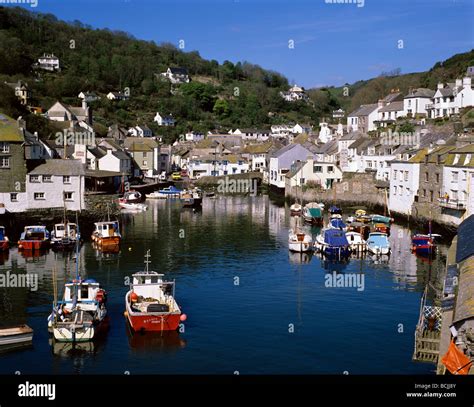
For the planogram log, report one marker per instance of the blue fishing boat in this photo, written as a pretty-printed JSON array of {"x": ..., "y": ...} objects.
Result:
[
  {"x": 424, "y": 245},
  {"x": 335, "y": 210},
  {"x": 378, "y": 243},
  {"x": 170, "y": 192},
  {"x": 333, "y": 243}
]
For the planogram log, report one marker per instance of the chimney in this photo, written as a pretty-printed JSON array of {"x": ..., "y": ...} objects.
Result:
[
  {"x": 440, "y": 86},
  {"x": 21, "y": 123},
  {"x": 36, "y": 135},
  {"x": 381, "y": 103}
]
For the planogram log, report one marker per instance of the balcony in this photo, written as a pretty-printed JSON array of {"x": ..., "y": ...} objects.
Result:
[
  {"x": 429, "y": 106},
  {"x": 452, "y": 204}
]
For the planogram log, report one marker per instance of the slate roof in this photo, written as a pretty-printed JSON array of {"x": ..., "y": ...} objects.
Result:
[{"x": 60, "y": 167}]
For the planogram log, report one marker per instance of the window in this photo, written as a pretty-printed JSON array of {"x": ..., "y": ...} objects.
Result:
[
  {"x": 427, "y": 176},
  {"x": 401, "y": 190},
  {"x": 406, "y": 175},
  {"x": 317, "y": 168},
  {"x": 144, "y": 154},
  {"x": 14, "y": 197},
  {"x": 302, "y": 181},
  {"x": 145, "y": 163},
  {"x": 4, "y": 162},
  {"x": 34, "y": 178},
  {"x": 47, "y": 178},
  {"x": 66, "y": 179},
  {"x": 4, "y": 147},
  {"x": 464, "y": 175},
  {"x": 68, "y": 196},
  {"x": 454, "y": 175},
  {"x": 330, "y": 169},
  {"x": 395, "y": 190},
  {"x": 225, "y": 162},
  {"x": 39, "y": 196},
  {"x": 395, "y": 174},
  {"x": 424, "y": 193},
  {"x": 437, "y": 177}
]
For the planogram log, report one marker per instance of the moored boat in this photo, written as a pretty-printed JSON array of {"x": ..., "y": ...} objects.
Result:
[
  {"x": 424, "y": 245},
  {"x": 137, "y": 207},
  {"x": 299, "y": 241},
  {"x": 170, "y": 192},
  {"x": 381, "y": 219},
  {"x": 131, "y": 197},
  {"x": 15, "y": 336},
  {"x": 333, "y": 243},
  {"x": 296, "y": 209},
  {"x": 81, "y": 315},
  {"x": 337, "y": 223},
  {"x": 64, "y": 236},
  {"x": 156, "y": 195},
  {"x": 34, "y": 238},
  {"x": 150, "y": 303},
  {"x": 378, "y": 243},
  {"x": 335, "y": 210},
  {"x": 382, "y": 228},
  {"x": 361, "y": 228},
  {"x": 192, "y": 198},
  {"x": 4, "y": 242},
  {"x": 313, "y": 214},
  {"x": 107, "y": 235},
  {"x": 356, "y": 242}
]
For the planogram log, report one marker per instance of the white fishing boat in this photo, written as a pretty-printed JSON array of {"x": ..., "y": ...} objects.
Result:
[
  {"x": 296, "y": 209},
  {"x": 378, "y": 244},
  {"x": 156, "y": 195},
  {"x": 64, "y": 235},
  {"x": 16, "y": 335},
  {"x": 299, "y": 241},
  {"x": 356, "y": 242}
]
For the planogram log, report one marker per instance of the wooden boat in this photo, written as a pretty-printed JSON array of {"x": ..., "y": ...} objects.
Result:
[
  {"x": 150, "y": 303},
  {"x": 382, "y": 228},
  {"x": 64, "y": 236},
  {"x": 15, "y": 336},
  {"x": 299, "y": 241},
  {"x": 192, "y": 198},
  {"x": 296, "y": 209},
  {"x": 107, "y": 235},
  {"x": 333, "y": 243},
  {"x": 378, "y": 243},
  {"x": 34, "y": 238},
  {"x": 313, "y": 214},
  {"x": 81, "y": 315},
  {"x": 4, "y": 242},
  {"x": 424, "y": 245}
]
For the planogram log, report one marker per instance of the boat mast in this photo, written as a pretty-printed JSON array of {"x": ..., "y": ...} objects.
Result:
[{"x": 147, "y": 260}]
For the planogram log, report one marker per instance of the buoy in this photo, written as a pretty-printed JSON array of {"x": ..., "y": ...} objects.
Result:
[
  {"x": 134, "y": 297},
  {"x": 183, "y": 317},
  {"x": 129, "y": 249}
]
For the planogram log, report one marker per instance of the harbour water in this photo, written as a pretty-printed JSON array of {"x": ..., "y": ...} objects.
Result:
[{"x": 252, "y": 307}]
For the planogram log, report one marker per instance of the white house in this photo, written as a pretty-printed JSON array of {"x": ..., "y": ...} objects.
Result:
[
  {"x": 61, "y": 112},
  {"x": 390, "y": 113},
  {"x": 294, "y": 93},
  {"x": 164, "y": 120},
  {"x": 363, "y": 119},
  {"x": 405, "y": 182},
  {"x": 88, "y": 97},
  {"x": 49, "y": 62},
  {"x": 56, "y": 184},
  {"x": 208, "y": 166},
  {"x": 253, "y": 134},
  {"x": 416, "y": 101},
  {"x": 140, "y": 131},
  {"x": 282, "y": 160},
  {"x": 302, "y": 128},
  {"x": 325, "y": 133},
  {"x": 176, "y": 75},
  {"x": 117, "y": 96},
  {"x": 458, "y": 179},
  {"x": 320, "y": 173},
  {"x": 194, "y": 136},
  {"x": 259, "y": 155},
  {"x": 450, "y": 98},
  {"x": 116, "y": 161}
]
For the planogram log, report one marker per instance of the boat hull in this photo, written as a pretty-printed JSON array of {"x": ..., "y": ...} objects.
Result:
[
  {"x": 153, "y": 321},
  {"x": 33, "y": 244},
  {"x": 424, "y": 250},
  {"x": 106, "y": 243},
  {"x": 192, "y": 203},
  {"x": 378, "y": 250},
  {"x": 300, "y": 247},
  {"x": 4, "y": 245},
  {"x": 16, "y": 339}
]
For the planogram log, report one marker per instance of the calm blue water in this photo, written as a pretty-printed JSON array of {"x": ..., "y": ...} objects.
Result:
[{"x": 252, "y": 307}]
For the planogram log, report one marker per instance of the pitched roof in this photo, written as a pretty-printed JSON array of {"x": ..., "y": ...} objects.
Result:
[
  {"x": 60, "y": 167},
  {"x": 179, "y": 71},
  {"x": 258, "y": 148},
  {"x": 353, "y": 135},
  {"x": 465, "y": 246},
  {"x": 419, "y": 156},
  {"x": 392, "y": 97},
  {"x": 121, "y": 155},
  {"x": 97, "y": 152},
  {"x": 364, "y": 110},
  {"x": 392, "y": 107},
  {"x": 421, "y": 93}
]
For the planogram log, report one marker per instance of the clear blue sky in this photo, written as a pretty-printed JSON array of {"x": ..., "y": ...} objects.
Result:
[{"x": 333, "y": 43}]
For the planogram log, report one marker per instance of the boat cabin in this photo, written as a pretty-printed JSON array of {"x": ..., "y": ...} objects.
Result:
[
  {"x": 35, "y": 233},
  {"x": 60, "y": 230},
  {"x": 88, "y": 293},
  {"x": 151, "y": 285},
  {"x": 107, "y": 229}
]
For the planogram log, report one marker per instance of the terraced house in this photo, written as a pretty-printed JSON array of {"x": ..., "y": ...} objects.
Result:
[{"x": 12, "y": 163}]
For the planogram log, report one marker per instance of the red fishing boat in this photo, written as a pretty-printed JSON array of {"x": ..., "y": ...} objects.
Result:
[
  {"x": 150, "y": 304},
  {"x": 34, "y": 238},
  {"x": 4, "y": 242}
]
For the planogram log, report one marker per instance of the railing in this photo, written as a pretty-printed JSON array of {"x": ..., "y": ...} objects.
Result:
[{"x": 452, "y": 203}]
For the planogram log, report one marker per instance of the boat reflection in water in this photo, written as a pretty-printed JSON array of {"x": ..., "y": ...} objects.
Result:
[
  {"x": 4, "y": 257},
  {"x": 104, "y": 251},
  {"x": 300, "y": 257},
  {"x": 77, "y": 351},
  {"x": 33, "y": 254},
  {"x": 164, "y": 341}
]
